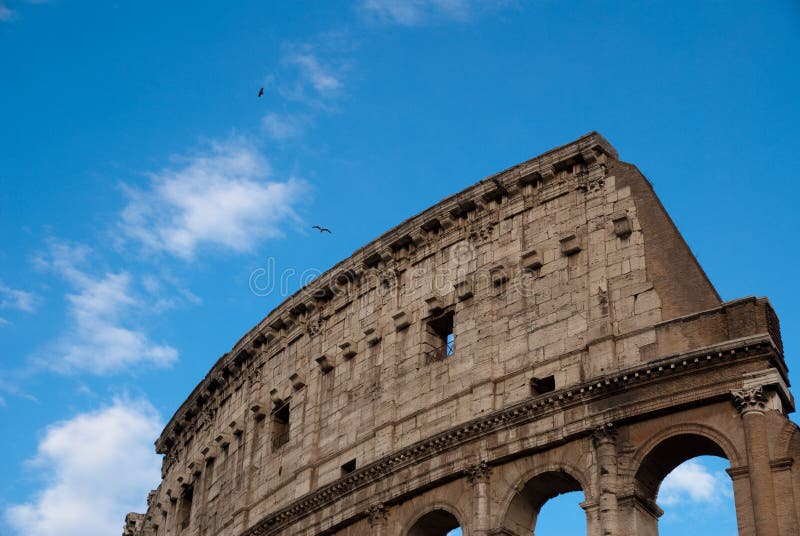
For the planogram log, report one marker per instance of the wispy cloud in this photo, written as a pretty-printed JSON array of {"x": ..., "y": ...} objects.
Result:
[
  {"x": 414, "y": 12},
  {"x": 315, "y": 73},
  {"x": 311, "y": 79},
  {"x": 99, "y": 338},
  {"x": 94, "y": 468},
  {"x": 165, "y": 292},
  {"x": 6, "y": 14},
  {"x": 11, "y": 387},
  {"x": 284, "y": 126},
  {"x": 692, "y": 482},
  {"x": 419, "y": 12},
  {"x": 17, "y": 299},
  {"x": 222, "y": 198}
]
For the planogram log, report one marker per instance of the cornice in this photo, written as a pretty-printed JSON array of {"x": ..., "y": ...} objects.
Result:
[{"x": 515, "y": 415}]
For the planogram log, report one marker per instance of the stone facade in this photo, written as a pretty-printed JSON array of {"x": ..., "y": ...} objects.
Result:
[{"x": 545, "y": 330}]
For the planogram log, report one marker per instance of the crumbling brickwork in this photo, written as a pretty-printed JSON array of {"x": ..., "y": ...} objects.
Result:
[{"x": 545, "y": 330}]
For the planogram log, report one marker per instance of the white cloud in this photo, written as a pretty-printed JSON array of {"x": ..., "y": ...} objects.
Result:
[
  {"x": 314, "y": 72},
  {"x": 17, "y": 299},
  {"x": 692, "y": 482},
  {"x": 97, "y": 339},
  {"x": 95, "y": 468},
  {"x": 284, "y": 126},
  {"x": 219, "y": 198}
]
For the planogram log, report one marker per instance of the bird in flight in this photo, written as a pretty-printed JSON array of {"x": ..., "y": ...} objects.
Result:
[
  {"x": 261, "y": 92},
  {"x": 321, "y": 229}
]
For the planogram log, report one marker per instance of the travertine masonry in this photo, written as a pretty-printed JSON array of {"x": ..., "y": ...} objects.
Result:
[{"x": 545, "y": 330}]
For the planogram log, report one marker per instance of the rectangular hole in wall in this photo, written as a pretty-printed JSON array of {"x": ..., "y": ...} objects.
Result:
[
  {"x": 349, "y": 467},
  {"x": 440, "y": 338},
  {"x": 209, "y": 476},
  {"x": 185, "y": 511},
  {"x": 280, "y": 426},
  {"x": 543, "y": 385}
]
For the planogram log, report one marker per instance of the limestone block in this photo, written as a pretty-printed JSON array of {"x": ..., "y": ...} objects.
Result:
[
  {"x": 622, "y": 225},
  {"x": 646, "y": 301}
]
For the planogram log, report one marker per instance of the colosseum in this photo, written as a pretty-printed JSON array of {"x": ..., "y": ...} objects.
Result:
[{"x": 545, "y": 330}]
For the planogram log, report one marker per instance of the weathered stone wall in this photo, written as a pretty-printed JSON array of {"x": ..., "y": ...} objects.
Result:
[{"x": 563, "y": 280}]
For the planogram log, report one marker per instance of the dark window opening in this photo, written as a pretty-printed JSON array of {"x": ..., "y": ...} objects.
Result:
[
  {"x": 209, "y": 476},
  {"x": 239, "y": 435},
  {"x": 543, "y": 385},
  {"x": 440, "y": 338},
  {"x": 185, "y": 511},
  {"x": 436, "y": 523},
  {"x": 280, "y": 426},
  {"x": 349, "y": 467}
]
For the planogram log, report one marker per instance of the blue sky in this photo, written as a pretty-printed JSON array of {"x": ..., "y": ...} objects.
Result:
[{"x": 142, "y": 182}]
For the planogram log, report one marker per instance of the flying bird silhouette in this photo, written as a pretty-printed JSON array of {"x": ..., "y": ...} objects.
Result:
[
  {"x": 261, "y": 92},
  {"x": 321, "y": 229}
]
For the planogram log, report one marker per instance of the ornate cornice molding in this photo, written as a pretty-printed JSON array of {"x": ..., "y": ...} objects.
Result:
[
  {"x": 604, "y": 434},
  {"x": 516, "y": 415},
  {"x": 478, "y": 473},
  {"x": 377, "y": 514}
]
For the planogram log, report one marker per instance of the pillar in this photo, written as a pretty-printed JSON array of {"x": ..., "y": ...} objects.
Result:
[
  {"x": 591, "y": 508},
  {"x": 604, "y": 439},
  {"x": 478, "y": 476},
  {"x": 784, "y": 495},
  {"x": 751, "y": 405},
  {"x": 377, "y": 514},
  {"x": 741, "y": 498}
]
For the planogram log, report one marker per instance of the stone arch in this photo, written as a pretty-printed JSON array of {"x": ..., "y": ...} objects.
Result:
[
  {"x": 703, "y": 432},
  {"x": 435, "y": 519},
  {"x": 521, "y": 506},
  {"x": 665, "y": 451}
]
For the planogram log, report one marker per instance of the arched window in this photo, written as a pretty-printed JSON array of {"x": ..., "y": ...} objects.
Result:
[
  {"x": 684, "y": 477},
  {"x": 562, "y": 516},
  {"x": 548, "y": 504},
  {"x": 436, "y": 523}
]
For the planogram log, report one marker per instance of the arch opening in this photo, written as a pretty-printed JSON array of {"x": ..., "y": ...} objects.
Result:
[
  {"x": 523, "y": 514},
  {"x": 684, "y": 475},
  {"x": 562, "y": 515},
  {"x": 435, "y": 523}
]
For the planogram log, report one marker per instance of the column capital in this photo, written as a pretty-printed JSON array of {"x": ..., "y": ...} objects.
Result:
[
  {"x": 750, "y": 400},
  {"x": 377, "y": 514},
  {"x": 478, "y": 472},
  {"x": 604, "y": 434}
]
